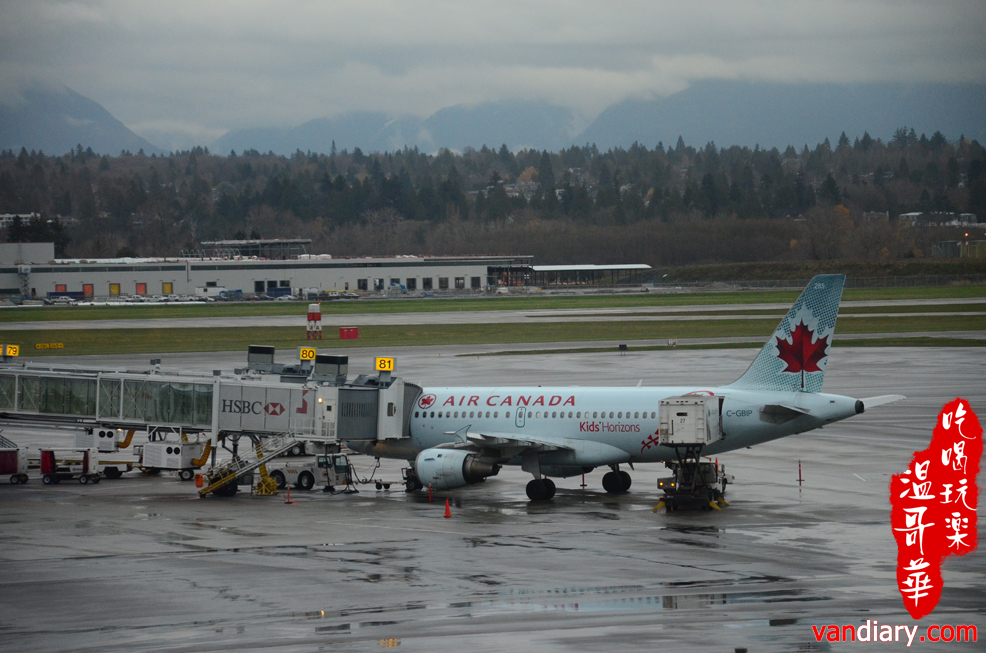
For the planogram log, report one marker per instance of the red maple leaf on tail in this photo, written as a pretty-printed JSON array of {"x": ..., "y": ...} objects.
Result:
[{"x": 801, "y": 354}]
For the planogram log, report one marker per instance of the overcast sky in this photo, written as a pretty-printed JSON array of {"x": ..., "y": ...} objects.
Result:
[{"x": 188, "y": 71}]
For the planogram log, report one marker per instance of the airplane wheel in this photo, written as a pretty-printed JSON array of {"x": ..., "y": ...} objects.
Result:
[
  {"x": 625, "y": 477},
  {"x": 537, "y": 490},
  {"x": 611, "y": 483},
  {"x": 279, "y": 479},
  {"x": 550, "y": 487}
]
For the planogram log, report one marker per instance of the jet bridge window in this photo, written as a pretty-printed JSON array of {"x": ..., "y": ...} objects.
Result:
[
  {"x": 57, "y": 396},
  {"x": 8, "y": 384},
  {"x": 167, "y": 402},
  {"x": 109, "y": 397}
]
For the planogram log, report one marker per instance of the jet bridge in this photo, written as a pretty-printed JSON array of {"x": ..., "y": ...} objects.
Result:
[{"x": 284, "y": 404}]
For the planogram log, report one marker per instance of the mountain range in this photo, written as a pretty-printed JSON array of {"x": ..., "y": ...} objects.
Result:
[
  {"x": 726, "y": 112},
  {"x": 54, "y": 119}
]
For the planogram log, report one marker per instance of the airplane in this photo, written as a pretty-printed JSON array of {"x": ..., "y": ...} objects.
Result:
[{"x": 462, "y": 435}]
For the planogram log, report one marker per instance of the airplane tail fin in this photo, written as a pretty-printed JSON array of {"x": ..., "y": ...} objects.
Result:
[{"x": 795, "y": 356}]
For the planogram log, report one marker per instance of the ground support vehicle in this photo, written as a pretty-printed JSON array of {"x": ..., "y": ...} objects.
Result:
[
  {"x": 184, "y": 457},
  {"x": 330, "y": 470},
  {"x": 58, "y": 466},
  {"x": 694, "y": 485},
  {"x": 112, "y": 459},
  {"x": 13, "y": 461},
  {"x": 687, "y": 424}
]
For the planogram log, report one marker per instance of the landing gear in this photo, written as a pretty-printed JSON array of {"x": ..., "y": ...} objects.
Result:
[
  {"x": 540, "y": 489},
  {"x": 616, "y": 481},
  {"x": 411, "y": 481}
]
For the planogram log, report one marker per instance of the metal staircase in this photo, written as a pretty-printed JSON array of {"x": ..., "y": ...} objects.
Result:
[{"x": 267, "y": 448}]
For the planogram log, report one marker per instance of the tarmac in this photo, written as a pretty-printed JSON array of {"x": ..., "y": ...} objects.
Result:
[
  {"x": 642, "y": 313},
  {"x": 141, "y": 563}
]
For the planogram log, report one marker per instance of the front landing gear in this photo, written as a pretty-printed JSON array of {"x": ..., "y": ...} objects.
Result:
[
  {"x": 411, "y": 481},
  {"x": 540, "y": 489},
  {"x": 616, "y": 481}
]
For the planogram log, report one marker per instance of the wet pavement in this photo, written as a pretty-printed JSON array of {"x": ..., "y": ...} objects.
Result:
[
  {"x": 141, "y": 563},
  {"x": 636, "y": 313}
]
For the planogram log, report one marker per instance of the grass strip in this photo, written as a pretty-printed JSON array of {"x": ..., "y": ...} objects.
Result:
[
  {"x": 123, "y": 341},
  {"x": 918, "y": 341},
  {"x": 428, "y": 305}
]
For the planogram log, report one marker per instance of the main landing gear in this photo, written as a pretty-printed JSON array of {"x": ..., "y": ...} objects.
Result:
[
  {"x": 616, "y": 481},
  {"x": 540, "y": 489}
]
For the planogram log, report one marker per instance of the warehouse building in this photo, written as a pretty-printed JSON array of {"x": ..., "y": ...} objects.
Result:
[{"x": 30, "y": 270}]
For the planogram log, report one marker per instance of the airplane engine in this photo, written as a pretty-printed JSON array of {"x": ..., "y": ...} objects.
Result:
[{"x": 447, "y": 469}]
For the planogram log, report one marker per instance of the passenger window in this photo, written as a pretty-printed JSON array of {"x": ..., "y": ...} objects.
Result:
[
  {"x": 456, "y": 414},
  {"x": 472, "y": 413},
  {"x": 593, "y": 414},
  {"x": 507, "y": 414},
  {"x": 620, "y": 415},
  {"x": 538, "y": 414},
  {"x": 432, "y": 414},
  {"x": 611, "y": 414},
  {"x": 578, "y": 414},
  {"x": 487, "y": 414},
  {"x": 416, "y": 413},
  {"x": 495, "y": 413}
]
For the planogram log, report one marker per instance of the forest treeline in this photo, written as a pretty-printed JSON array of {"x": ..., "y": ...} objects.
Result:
[{"x": 662, "y": 205}]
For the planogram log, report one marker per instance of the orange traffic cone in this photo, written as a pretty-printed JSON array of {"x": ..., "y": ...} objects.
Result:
[{"x": 448, "y": 512}]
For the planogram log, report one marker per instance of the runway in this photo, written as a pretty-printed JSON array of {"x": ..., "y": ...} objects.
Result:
[
  {"x": 143, "y": 564},
  {"x": 643, "y": 313}
]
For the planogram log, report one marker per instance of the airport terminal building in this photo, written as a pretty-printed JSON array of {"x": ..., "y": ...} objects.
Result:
[{"x": 30, "y": 270}]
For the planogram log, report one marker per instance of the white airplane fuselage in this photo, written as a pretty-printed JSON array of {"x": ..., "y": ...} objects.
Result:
[{"x": 623, "y": 422}]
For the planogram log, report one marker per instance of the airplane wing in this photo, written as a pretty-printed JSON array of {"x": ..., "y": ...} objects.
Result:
[
  {"x": 506, "y": 446},
  {"x": 505, "y": 441}
]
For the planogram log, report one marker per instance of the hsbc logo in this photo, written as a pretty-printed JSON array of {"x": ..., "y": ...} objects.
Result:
[{"x": 244, "y": 407}]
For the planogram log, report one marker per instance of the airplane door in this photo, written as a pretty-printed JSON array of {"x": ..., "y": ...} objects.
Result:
[{"x": 521, "y": 416}]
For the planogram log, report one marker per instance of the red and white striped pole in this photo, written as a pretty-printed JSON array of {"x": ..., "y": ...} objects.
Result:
[{"x": 314, "y": 322}]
